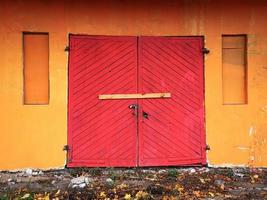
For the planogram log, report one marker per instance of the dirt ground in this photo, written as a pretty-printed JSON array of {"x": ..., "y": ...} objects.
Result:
[{"x": 147, "y": 183}]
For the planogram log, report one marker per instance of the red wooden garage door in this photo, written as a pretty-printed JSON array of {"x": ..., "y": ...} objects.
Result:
[{"x": 167, "y": 131}]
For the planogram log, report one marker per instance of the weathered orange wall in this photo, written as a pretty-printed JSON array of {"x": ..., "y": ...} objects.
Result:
[{"x": 33, "y": 136}]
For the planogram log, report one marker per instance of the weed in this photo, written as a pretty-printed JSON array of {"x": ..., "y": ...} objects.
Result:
[
  {"x": 96, "y": 171},
  {"x": 172, "y": 173},
  {"x": 4, "y": 197}
]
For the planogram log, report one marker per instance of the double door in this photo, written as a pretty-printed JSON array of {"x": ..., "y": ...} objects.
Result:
[{"x": 135, "y": 101}]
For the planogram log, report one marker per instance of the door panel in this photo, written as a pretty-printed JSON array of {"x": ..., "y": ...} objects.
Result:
[
  {"x": 171, "y": 130},
  {"x": 102, "y": 132}
]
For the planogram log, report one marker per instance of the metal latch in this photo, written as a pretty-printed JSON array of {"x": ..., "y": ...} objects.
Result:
[
  {"x": 134, "y": 107},
  {"x": 205, "y": 50},
  {"x": 67, "y": 48},
  {"x": 145, "y": 114},
  {"x": 66, "y": 148}
]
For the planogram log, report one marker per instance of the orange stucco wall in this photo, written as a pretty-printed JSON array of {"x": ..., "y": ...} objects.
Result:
[{"x": 34, "y": 135}]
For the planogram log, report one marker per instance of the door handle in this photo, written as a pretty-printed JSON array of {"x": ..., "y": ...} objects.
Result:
[
  {"x": 145, "y": 115},
  {"x": 134, "y": 107}
]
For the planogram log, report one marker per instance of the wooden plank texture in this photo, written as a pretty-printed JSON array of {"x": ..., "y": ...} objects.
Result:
[
  {"x": 171, "y": 130},
  {"x": 135, "y": 96},
  {"x": 102, "y": 133}
]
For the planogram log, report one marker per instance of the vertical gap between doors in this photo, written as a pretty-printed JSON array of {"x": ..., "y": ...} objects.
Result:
[{"x": 138, "y": 103}]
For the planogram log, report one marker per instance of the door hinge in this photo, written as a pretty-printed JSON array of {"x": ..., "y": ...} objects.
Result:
[
  {"x": 66, "y": 148},
  {"x": 67, "y": 48},
  {"x": 68, "y": 153},
  {"x": 207, "y": 148},
  {"x": 205, "y": 50}
]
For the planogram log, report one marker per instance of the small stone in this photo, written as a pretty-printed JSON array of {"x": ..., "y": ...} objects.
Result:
[
  {"x": 9, "y": 180},
  {"x": 11, "y": 183},
  {"x": 34, "y": 173},
  {"x": 79, "y": 182},
  {"x": 29, "y": 172},
  {"x": 109, "y": 181},
  {"x": 239, "y": 175},
  {"x": 192, "y": 171},
  {"x": 162, "y": 171},
  {"x": 18, "y": 180},
  {"x": 87, "y": 180},
  {"x": 82, "y": 185},
  {"x": 21, "y": 174},
  {"x": 219, "y": 182},
  {"x": 41, "y": 173},
  {"x": 53, "y": 182},
  {"x": 256, "y": 176}
]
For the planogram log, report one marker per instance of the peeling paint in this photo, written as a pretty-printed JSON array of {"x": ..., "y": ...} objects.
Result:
[
  {"x": 264, "y": 108},
  {"x": 251, "y": 130},
  {"x": 243, "y": 148}
]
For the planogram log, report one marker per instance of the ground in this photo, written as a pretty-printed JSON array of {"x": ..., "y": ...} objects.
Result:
[{"x": 137, "y": 183}]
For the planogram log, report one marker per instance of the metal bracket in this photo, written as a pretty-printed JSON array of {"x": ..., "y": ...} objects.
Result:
[
  {"x": 67, "y": 48},
  {"x": 205, "y": 50},
  {"x": 66, "y": 148}
]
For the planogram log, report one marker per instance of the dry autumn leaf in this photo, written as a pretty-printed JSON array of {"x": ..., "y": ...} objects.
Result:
[
  {"x": 202, "y": 180},
  {"x": 256, "y": 176},
  {"x": 57, "y": 193},
  {"x": 141, "y": 195},
  {"x": 25, "y": 196},
  {"x": 102, "y": 195},
  {"x": 211, "y": 194},
  {"x": 179, "y": 188},
  {"x": 122, "y": 186},
  {"x": 197, "y": 193},
  {"x": 127, "y": 196}
]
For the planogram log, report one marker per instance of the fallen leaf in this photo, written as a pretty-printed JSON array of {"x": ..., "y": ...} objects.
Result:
[
  {"x": 202, "y": 180},
  {"x": 122, "y": 186},
  {"x": 197, "y": 193},
  {"x": 46, "y": 197},
  {"x": 141, "y": 195},
  {"x": 256, "y": 176},
  {"x": 127, "y": 196},
  {"x": 102, "y": 195},
  {"x": 57, "y": 193},
  {"x": 179, "y": 188},
  {"x": 25, "y": 196},
  {"x": 211, "y": 194},
  {"x": 165, "y": 198}
]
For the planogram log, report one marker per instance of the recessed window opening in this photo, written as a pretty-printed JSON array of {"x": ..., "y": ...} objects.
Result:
[
  {"x": 36, "y": 68},
  {"x": 234, "y": 69}
]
